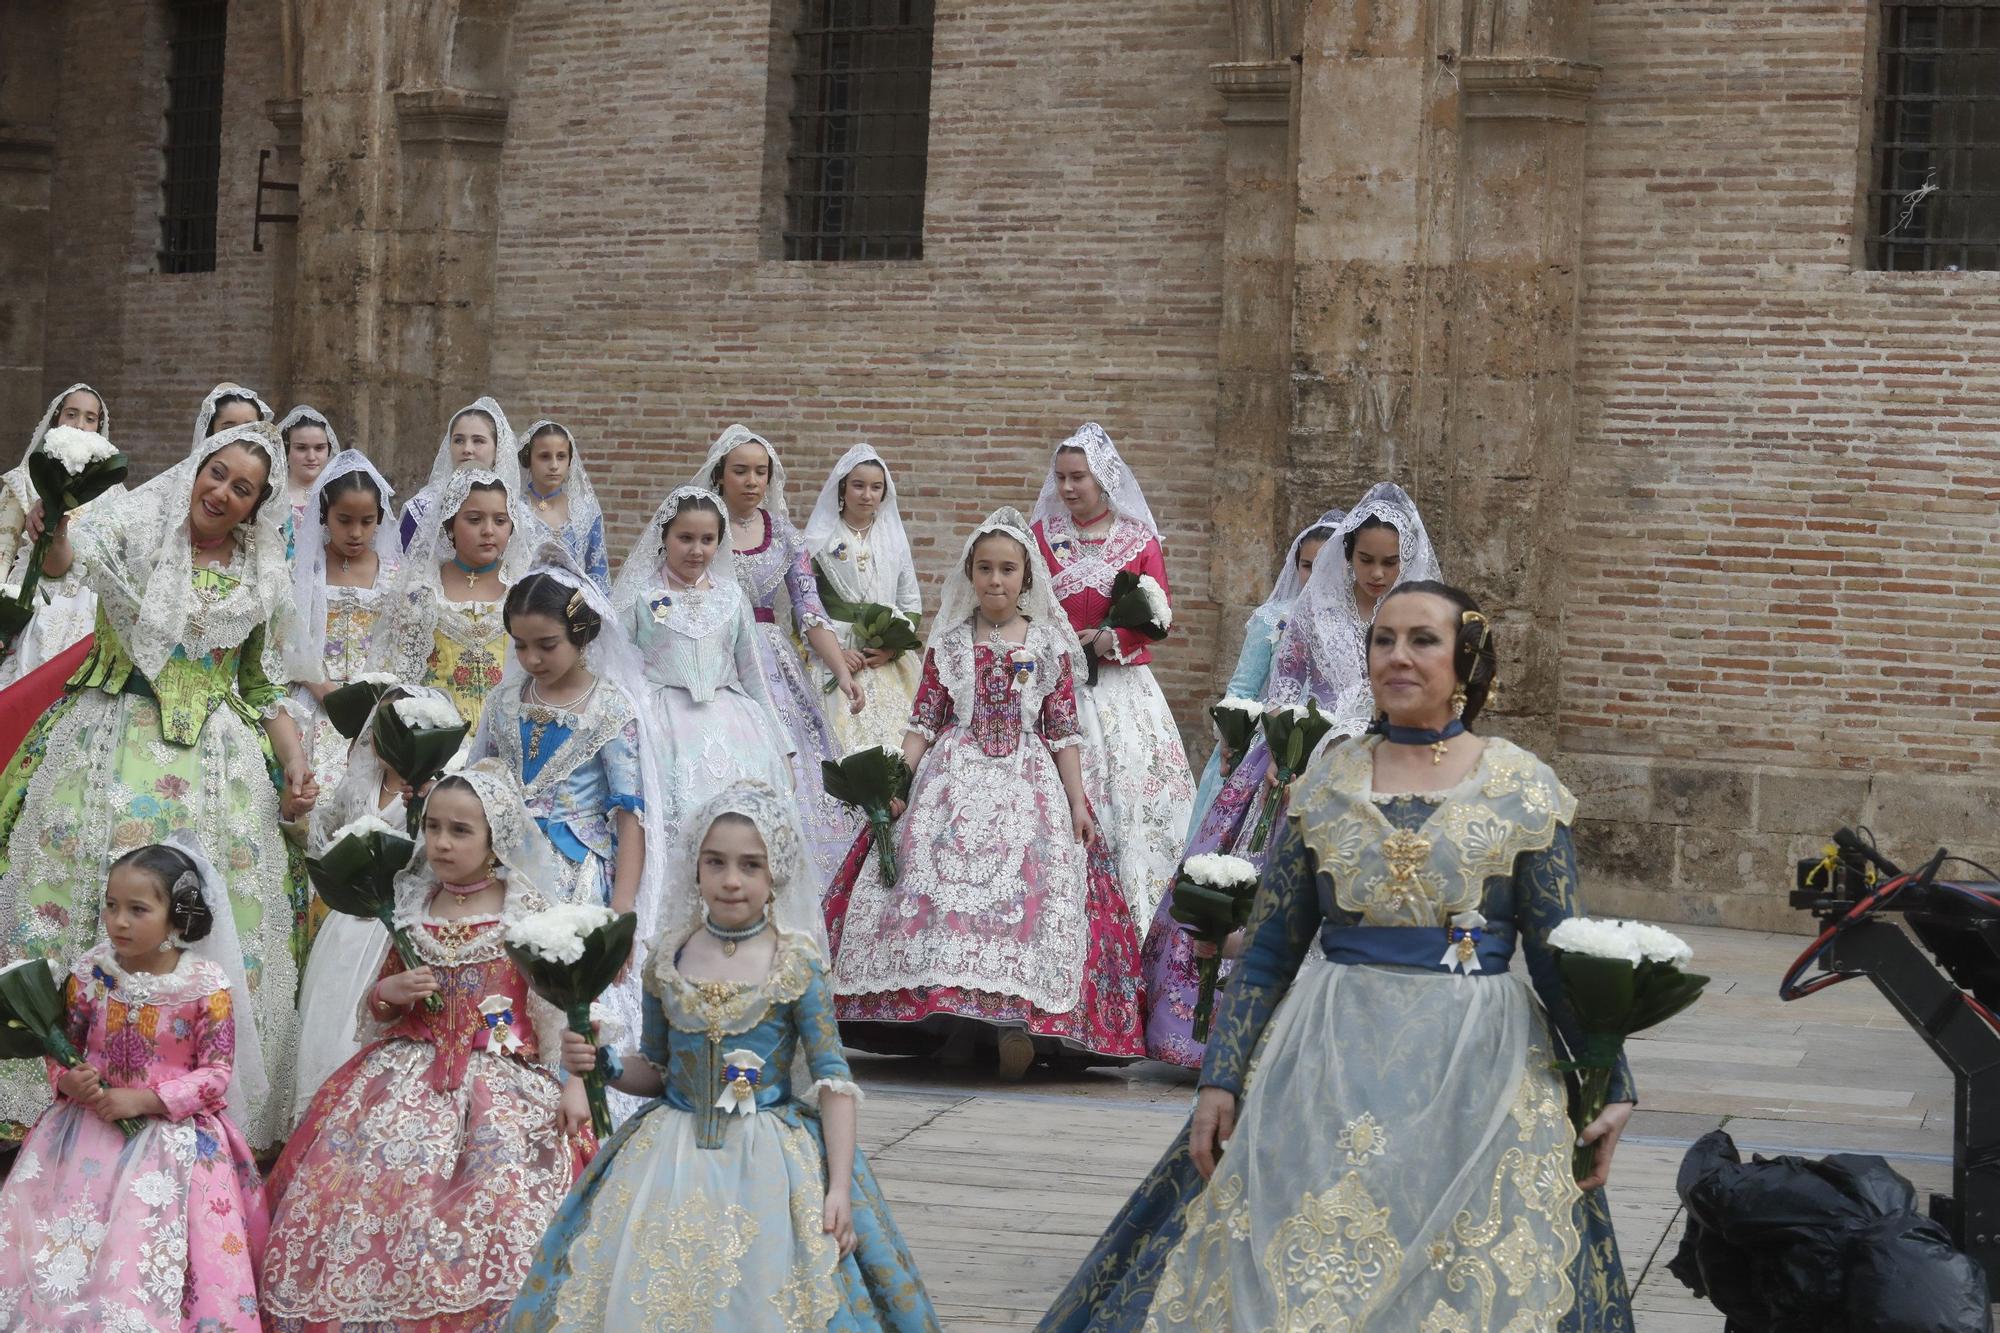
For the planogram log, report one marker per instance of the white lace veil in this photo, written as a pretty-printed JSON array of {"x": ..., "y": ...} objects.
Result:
[
  {"x": 405, "y": 640},
  {"x": 1325, "y": 617},
  {"x": 890, "y": 542},
  {"x": 728, "y": 442},
  {"x": 306, "y": 414},
  {"x": 17, "y": 479},
  {"x": 614, "y": 659},
  {"x": 583, "y": 505},
  {"x": 309, "y": 565},
  {"x": 1121, "y": 488},
  {"x": 644, "y": 572},
  {"x": 527, "y": 861},
  {"x": 795, "y": 888},
  {"x": 138, "y": 556},
  {"x": 506, "y": 463},
  {"x": 1289, "y": 584},
  {"x": 208, "y": 409},
  {"x": 248, "y": 1082},
  {"x": 1038, "y": 602}
]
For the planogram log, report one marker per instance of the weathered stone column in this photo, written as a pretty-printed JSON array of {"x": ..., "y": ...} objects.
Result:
[
  {"x": 1253, "y": 512},
  {"x": 281, "y": 242}
]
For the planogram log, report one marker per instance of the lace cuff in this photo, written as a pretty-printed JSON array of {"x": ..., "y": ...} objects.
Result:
[
  {"x": 842, "y": 1086},
  {"x": 1064, "y": 742},
  {"x": 929, "y": 735},
  {"x": 808, "y": 621}
]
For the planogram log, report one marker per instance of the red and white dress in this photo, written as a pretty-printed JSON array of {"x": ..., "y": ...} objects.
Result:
[
  {"x": 998, "y": 914},
  {"x": 1148, "y": 787}
]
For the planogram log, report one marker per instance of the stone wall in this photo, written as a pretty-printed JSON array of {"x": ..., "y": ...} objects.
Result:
[{"x": 1781, "y": 551}]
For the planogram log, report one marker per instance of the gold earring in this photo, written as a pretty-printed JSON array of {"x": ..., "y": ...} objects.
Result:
[{"x": 1458, "y": 702}]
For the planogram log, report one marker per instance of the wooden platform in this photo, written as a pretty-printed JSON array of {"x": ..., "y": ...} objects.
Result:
[{"x": 1001, "y": 1189}]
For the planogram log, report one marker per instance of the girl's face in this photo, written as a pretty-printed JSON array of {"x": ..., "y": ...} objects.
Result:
[
  {"x": 746, "y": 475},
  {"x": 542, "y": 646},
  {"x": 861, "y": 494},
  {"x": 734, "y": 873},
  {"x": 471, "y": 440},
  {"x": 1308, "y": 554},
  {"x": 481, "y": 527},
  {"x": 999, "y": 567},
  {"x": 351, "y": 521},
  {"x": 135, "y": 916},
  {"x": 457, "y": 842},
  {"x": 692, "y": 538},
  {"x": 1378, "y": 559},
  {"x": 1410, "y": 652},
  {"x": 1081, "y": 494},
  {"x": 233, "y": 413},
  {"x": 548, "y": 461},
  {"x": 81, "y": 410},
  {"x": 306, "y": 452},
  {"x": 226, "y": 490}
]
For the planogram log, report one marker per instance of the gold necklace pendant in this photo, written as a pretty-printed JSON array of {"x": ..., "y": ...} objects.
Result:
[
  {"x": 1437, "y": 753},
  {"x": 729, "y": 948},
  {"x": 471, "y": 580}
]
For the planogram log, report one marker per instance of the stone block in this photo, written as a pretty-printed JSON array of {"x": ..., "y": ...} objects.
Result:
[
  {"x": 1810, "y": 802},
  {"x": 1609, "y": 788},
  {"x": 1926, "y": 811},
  {"x": 1711, "y": 795},
  {"x": 1712, "y": 862},
  {"x": 1632, "y": 855}
]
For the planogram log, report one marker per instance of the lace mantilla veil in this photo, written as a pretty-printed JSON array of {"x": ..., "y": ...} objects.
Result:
[
  {"x": 795, "y": 888},
  {"x": 1288, "y": 586},
  {"x": 733, "y": 438},
  {"x": 1120, "y": 486},
  {"x": 403, "y": 645},
  {"x": 644, "y": 573},
  {"x": 1330, "y": 627},
  {"x": 135, "y": 551},
  {"x": 583, "y": 505},
  {"x": 305, "y": 413},
  {"x": 952, "y": 633},
  {"x": 309, "y": 564},
  {"x": 204, "y": 417},
  {"x": 891, "y": 543},
  {"x": 522, "y": 849}
]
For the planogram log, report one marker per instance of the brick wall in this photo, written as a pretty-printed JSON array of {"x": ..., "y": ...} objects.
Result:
[
  {"x": 154, "y": 343},
  {"x": 1782, "y": 549},
  {"x": 1070, "y": 267}
]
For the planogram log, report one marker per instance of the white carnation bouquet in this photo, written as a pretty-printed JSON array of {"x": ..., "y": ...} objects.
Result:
[
  {"x": 1236, "y": 720},
  {"x": 69, "y": 469},
  {"x": 1211, "y": 898},
  {"x": 1620, "y": 977},
  {"x": 1138, "y": 604},
  {"x": 571, "y": 953}
]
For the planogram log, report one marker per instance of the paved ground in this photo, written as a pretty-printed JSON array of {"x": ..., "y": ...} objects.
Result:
[{"x": 1002, "y": 1188}]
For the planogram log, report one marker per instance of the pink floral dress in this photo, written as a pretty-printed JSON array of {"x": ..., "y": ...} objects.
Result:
[{"x": 162, "y": 1232}]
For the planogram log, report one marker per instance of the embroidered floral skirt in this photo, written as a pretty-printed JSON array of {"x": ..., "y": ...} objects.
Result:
[
  {"x": 1148, "y": 787},
  {"x": 93, "y": 780},
  {"x": 159, "y": 1233},
  {"x": 398, "y": 1203},
  {"x": 829, "y": 824},
  {"x": 890, "y": 690},
  {"x": 661, "y": 1233}
]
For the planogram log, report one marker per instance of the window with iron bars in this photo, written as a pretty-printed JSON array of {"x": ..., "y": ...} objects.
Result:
[
  {"x": 1934, "y": 197},
  {"x": 196, "y": 31},
  {"x": 860, "y": 131}
]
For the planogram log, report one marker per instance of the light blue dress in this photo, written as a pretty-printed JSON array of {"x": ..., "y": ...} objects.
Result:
[
  {"x": 1253, "y": 671},
  {"x": 695, "y": 1216}
]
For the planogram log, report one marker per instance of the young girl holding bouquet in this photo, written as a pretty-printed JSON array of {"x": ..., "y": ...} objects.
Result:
[
  {"x": 730, "y": 1201},
  {"x": 415, "y": 1188},
  {"x": 1005, "y": 926},
  {"x": 562, "y": 500},
  {"x": 445, "y": 626},
  {"x": 163, "y": 1230},
  {"x": 1093, "y": 523},
  {"x": 856, "y": 540}
]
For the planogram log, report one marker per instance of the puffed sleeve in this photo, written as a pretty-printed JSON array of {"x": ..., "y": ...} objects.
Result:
[
  {"x": 1152, "y": 563},
  {"x": 624, "y": 789},
  {"x": 1058, "y": 723},
  {"x": 1283, "y": 921},
  {"x": 1544, "y": 897},
  {"x": 655, "y": 1033},
  {"x": 1253, "y": 661},
  {"x": 205, "y": 1088},
  {"x": 259, "y": 691},
  {"x": 931, "y": 711},
  {"x": 808, "y": 611},
  {"x": 819, "y": 1038},
  {"x": 79, "y": 1011}
]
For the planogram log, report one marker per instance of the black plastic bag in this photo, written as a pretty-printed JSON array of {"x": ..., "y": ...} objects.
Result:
[{"x": 1794, "y": 1245}]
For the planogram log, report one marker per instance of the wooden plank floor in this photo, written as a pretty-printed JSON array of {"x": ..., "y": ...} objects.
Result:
[{"x": 1001, "y": 1189}]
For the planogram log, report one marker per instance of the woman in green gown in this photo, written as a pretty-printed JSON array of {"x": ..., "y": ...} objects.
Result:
[
  {"x": 1381, "y": 1140},
  {"x": 175, "y": 721}
]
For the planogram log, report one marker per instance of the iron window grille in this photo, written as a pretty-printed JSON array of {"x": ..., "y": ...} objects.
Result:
[
  {"x": 860, "y": 130},
  {"x": 1934, "y": 200},
  {"x": 197, "y": 30}
]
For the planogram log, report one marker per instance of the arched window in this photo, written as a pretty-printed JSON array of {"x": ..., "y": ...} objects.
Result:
[
  {"x": 196, "y": 30},
  {"x": 860, "y": 129}
]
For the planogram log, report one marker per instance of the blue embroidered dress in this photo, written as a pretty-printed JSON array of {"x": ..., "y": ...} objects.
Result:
[
  {"x": 695, "y": 1217},
  {"x": 1435, "y": 1176}
]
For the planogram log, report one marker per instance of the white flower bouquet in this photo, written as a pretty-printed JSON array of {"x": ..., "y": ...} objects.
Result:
[
  {"x": 70, "y": 468},
  {"x": 1138, "y": 604},
  {"x": 356, "y": 876},
  {"x": 1292, "y": 733},
  {"x": 417, "y": 738},
  {"x": 570, "y": 954},
  {"x": 1236, "y": 720},
  {"x": 1211, "y": 898},
  {"x": 1621, "y": 977}
]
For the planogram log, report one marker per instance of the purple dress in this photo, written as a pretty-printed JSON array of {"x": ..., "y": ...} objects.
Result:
[
  {"x": 1229, "y": 825},
  {"x": 777, "y": 577}
]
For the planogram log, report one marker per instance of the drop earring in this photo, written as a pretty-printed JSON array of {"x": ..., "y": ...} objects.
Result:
[{"x": 1458, "y": 702}]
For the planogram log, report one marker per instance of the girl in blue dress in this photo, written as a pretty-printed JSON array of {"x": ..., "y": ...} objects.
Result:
[{"x": 730, "y": 1201}]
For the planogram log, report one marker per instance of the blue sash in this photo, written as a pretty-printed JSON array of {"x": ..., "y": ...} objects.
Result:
[{"x": 1416, "y": 946}]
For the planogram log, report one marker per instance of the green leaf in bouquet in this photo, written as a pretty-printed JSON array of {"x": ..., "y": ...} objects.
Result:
[
  {"x": 1663, "y": 991},
  {"x": 31, "y": 997},
  {"x": 1602, "y": 991},
  {"x": 417, "y": 754},
  {"x": 61, "y": 492},
  {"x": 17, "y": 1042},
  {"x": 1209, "y": 911},
  {"x": 568, "y": 985},
  {"x": 348, "y": 707},
  {"x": 1129, "y": 609},
  {"x": 357, "y": 875},
  {"x": 887, "y": 631}
]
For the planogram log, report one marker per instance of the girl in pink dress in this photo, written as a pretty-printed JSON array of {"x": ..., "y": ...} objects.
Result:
[
  {"x": 414, "y": 1191},
  {"x": 161, "y": 1231},
  {"x": 1004, "y": 929}
]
